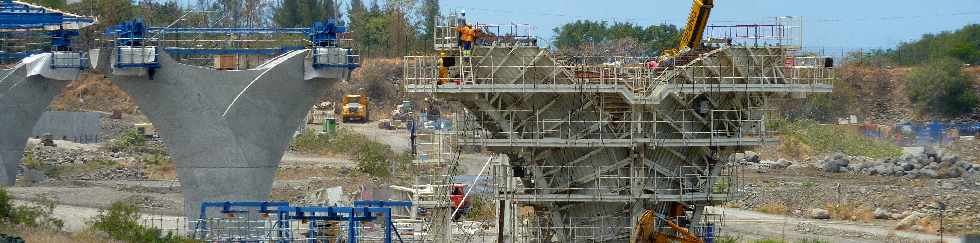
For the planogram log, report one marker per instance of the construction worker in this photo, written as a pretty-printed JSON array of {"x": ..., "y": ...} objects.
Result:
[
  {"x": 467, "y": 34},
  {"x": 445, "y": 62}
]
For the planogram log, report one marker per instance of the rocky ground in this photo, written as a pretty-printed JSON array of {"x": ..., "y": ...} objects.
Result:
[{"x": 911, "y": 193}]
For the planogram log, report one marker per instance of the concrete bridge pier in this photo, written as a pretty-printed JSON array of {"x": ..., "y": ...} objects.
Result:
[
  {"x": 25, "y": 92},
  {"x": 227, "y": 130}
]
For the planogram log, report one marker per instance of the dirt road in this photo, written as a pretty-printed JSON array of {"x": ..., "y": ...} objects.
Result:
[
  {"x": 750, "y": 225},
  {"x": 398, "y": 139}
]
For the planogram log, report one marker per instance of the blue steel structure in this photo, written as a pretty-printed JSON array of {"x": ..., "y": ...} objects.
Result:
[
  {"x": 16, "y": 16},
  {"x": 134, "y": 34},
  {"x": 363, "y": 211}
]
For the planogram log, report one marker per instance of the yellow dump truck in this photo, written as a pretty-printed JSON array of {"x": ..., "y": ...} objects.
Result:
[{"x": 355, "y": 108}]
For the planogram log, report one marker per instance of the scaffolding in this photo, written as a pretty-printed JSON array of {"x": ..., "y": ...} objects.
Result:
[{"x": 593, "y": 141}]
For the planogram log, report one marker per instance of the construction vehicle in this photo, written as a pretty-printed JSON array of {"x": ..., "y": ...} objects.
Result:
[
  {"x": 676, "y": 220},
  {"x": 457, "y": 194},
  {"x": 355, "y": 108},
  {"x": 146, "y": 129}
]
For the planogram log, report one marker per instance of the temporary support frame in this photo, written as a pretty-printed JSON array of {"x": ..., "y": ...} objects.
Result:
[{"x": 591, "y": 136}]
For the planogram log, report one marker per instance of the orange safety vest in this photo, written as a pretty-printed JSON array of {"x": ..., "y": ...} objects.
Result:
[{"x": 468, "y": 34}]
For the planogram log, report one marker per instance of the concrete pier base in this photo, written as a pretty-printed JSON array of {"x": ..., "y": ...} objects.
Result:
[
  {"x": 227, "y": 130},
  {"x": 25, "y": 92}
]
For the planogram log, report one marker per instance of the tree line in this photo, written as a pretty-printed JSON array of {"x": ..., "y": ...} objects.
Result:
[{"x": 587, "y": 37}]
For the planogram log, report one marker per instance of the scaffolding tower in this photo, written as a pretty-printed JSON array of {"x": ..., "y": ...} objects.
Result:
[{"x": 591, "y": 142}]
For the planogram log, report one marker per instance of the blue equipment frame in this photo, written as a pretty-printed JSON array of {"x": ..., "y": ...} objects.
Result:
[
  {"x": 363, "y": 211},
  {"x": 19, "y": 16},
  {"x": 133, "y": 34}
]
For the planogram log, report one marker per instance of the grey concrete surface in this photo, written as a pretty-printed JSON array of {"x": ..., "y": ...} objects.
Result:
[
  {"x": 25, "y": 92},
  {"x": 75, "y": 126},
  {"x": 227, "y": 130}
]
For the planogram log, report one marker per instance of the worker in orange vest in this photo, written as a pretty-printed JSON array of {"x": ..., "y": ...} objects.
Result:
[{"x": 467, "y": 34}]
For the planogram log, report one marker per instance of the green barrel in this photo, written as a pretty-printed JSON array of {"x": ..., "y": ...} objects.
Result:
[{"x": 330, "y": 125}]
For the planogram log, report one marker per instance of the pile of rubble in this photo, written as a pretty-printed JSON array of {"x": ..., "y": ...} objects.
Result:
[
  {"x": 928, "y": 164},
  {"x": 58, "y": 156}
]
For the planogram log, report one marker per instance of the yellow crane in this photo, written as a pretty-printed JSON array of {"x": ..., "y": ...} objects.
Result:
[{"x": 697, "y": 21}]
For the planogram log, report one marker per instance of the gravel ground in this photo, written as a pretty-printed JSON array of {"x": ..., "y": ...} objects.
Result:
[{"x": 797, "y": 191}]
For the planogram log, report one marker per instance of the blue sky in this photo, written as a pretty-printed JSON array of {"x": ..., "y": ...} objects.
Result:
[{"x": 833, "y": 25}]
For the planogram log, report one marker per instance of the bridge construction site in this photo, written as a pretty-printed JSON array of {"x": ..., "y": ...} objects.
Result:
[
  {"x": 611, "y": 148},
  {"x": 586, "y": 148}
]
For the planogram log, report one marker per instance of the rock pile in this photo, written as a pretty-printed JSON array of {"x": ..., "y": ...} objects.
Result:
[{"x": 928, "y": 164}]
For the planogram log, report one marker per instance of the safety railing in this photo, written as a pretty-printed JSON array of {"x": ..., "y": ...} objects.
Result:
[{"x": 683, "y": 124}]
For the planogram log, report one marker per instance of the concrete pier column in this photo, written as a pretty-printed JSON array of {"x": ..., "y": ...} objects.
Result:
[
  {"x": 25, "y": 92},
  {"x": 227, "y": 130}
]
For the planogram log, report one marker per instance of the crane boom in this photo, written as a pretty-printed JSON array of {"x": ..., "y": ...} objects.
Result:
[{"x": 694, "y": 30}]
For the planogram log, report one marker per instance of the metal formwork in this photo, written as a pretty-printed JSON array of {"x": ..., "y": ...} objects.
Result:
[{"x": 592, "y": 142}]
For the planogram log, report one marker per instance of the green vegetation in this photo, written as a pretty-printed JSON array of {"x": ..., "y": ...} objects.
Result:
[
  {"x": 121, "y": 222},
  {"x": 374, "y": 158},
  {"x": 38, "y": 216},
  {"x": 808, "y": 184},
  {"x": 301, "y": 13},
  {"x": 800, "y": 135},
  {"x": 129, "y": 141},
  {"x": 481, "y": 209},
  {"x": 629, "y": 38},
  {"x": 963, "y": 44},
  {"x": 941, "y": 87}
]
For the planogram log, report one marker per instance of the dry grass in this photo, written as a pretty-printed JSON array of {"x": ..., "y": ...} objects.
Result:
[
  {"x": 925, "y": 225},
  {"x": 93, "y": 92},
  {"x": 850, "y": 211},
  {"x": 49, "y": 236},
  {"x": 159, "y": 167},
  {"x": 305, "y": 173},
  {"x": 772, "y": 207}
]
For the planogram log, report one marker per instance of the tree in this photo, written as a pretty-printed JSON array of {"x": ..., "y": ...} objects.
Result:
[
  {"x": 430, "y": 13},
  {"x": 287, "y": 14},
  {"x": 940, "y": 87},
  {"x": 591, "y": 37}
]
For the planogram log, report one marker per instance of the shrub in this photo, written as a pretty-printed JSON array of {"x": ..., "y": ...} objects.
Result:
[
  {"x": 121, "y": 222},
  {"x": 27, "y": 215},
  {"x": 131, "y": 140},
  {"x": 481, "y": 209},
  {"x": 941, "y": 87}
]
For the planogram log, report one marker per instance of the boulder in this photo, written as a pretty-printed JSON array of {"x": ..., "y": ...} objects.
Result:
[
  {"x": 782, "y": 163},
  {"x": 907, "y": 166},
  {"x": 909, "y": 220},
  {"x": 819, "y": 213},
  {"x": 927, "y": 173},
  {"x": 881, "y": 213},
  {"x": 751, "y": 157}
]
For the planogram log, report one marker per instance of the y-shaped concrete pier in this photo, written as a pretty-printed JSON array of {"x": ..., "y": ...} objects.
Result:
[
  {"x": 227, "y": 130},
  {"x": 25, "y": 92}
]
